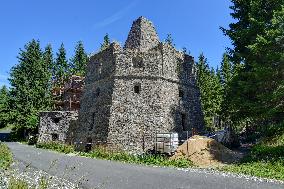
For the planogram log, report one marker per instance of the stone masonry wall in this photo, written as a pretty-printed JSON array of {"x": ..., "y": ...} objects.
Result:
[
  {"x": 146, "y": 88},
  {"x": 97, "y": 97},
  {"x": 54, "y": 126}
]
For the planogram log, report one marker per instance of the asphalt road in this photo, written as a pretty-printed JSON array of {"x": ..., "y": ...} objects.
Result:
[{"x": 92, "y": 173}]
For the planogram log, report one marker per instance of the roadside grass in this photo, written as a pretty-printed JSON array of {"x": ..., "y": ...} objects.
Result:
[
  {"x": 15, "y": 183},
  {"x": 18, "y": 184},
  {"x": 104, "y": 153},
  {"x": 266, "y": 159},
  {"x": 6, "y": 157},
  {"x": 55, "y": 146},
  {"x": 146, "y": 159}
]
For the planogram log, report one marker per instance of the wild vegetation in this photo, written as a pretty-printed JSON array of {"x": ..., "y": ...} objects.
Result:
[
  {"x": 6, "y": 157},
  {"x": 266, "y": 159},
  {"x": 104, "y": 153}
]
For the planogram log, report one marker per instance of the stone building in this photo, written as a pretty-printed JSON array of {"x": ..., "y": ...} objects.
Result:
[
  {"x": 135, "y": 92},
  {"x": 58, "y": 126}
]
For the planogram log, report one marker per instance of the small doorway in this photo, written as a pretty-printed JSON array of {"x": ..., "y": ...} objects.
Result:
[{"x": 88, "y": 146}]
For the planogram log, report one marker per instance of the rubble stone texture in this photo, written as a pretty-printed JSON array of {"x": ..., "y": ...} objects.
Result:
[
  {"x": 55, "y": 126},
  {"x": 134, "y": 92},
  {"x": 58, "y": 126}
]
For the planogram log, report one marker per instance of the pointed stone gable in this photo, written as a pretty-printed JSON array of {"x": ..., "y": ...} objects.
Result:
[{"x": 142, "y": 36}]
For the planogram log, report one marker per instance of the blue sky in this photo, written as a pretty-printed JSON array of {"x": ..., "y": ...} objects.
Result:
[{"x": 193, "y": 24}]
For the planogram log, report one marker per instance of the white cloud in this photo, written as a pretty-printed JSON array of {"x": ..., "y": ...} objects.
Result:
[{"x": 115, "y": 17}]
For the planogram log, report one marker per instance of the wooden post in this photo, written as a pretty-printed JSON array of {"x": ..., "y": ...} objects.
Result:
[{"x": 187, "y": 143}]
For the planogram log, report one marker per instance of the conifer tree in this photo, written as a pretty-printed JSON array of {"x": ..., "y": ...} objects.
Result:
[
  {"x": 49, "y": 64},
  {"x": 210, "y": 90},
  {"x": 48, "y": 59},
  {"x": 4, "y": 107},
  {"x": 226, "y": 70},
  {"x": 268, "y": 64},
  {"x": 169, "y": 40},
  {"x": 29, "y": 87},
  {"x": 61, "y": 69},
  {"x": 80, "y": 60},
  {"x": 105, "y": 43},
  {"x": 252, "y": 88}
]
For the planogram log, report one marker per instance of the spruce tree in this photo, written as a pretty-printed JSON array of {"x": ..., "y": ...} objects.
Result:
[
  {"x": 252, "y": 89},
  {"x": 226, "y": 70},
  {"x": 29, "y": 87},
  {"x": 105, "y": 43},
  {"x": 210, "y": 87},
  {"x": 169, "y": 40},
  {"x": 80, "y": 60},
  {"x": 268, "y": 64},
  {"x": 61, "y": 69},
  {"x": 4, "y": 107},
  {"x": 49, "y": 64},
  {"x": 48, "y": 59}
]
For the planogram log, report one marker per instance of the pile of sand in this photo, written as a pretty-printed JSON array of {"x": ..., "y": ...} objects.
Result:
[{"x": 205, "y": 152}]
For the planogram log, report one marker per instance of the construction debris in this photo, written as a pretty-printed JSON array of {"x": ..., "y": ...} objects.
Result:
[{"x": 67, "y": 97}]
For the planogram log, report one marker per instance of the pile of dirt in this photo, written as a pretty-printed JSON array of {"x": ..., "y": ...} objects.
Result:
[{"x": 206, "y": 152}]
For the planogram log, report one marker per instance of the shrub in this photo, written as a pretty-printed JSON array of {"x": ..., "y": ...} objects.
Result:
[
  {"x": 273, "y": 129},
  {"x": 6, "y": 157}
]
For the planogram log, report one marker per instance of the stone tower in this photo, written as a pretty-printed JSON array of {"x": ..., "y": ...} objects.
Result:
[{"x": 134, "y": 92}]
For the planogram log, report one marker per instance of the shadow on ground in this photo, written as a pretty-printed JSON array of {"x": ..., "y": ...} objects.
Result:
[{"x": 5, "y": 136}]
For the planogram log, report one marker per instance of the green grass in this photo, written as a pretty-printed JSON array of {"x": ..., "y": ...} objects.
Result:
[
  {"x": 266, "y": 159},
  {"x": 146, "y": 159},
  {"x": 6, "y": 157},
  {"x": 18, "y": 184},
  {"x": 55, "y": 146},
  {"x": 103, "y": 153}
]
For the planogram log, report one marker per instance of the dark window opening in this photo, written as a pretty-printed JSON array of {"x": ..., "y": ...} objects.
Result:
[
  {"x": 180, "y": 93},
  {"x": 183, "y": 121},
  {"x": 88, "y": 146},
  {"x": 137, "y": 62},
  {"x": 54, "y": 136},
  {"x": 137, "y": 89},
  {"x": 98, "y": 92},
  {"x": 56, "y": 119}
]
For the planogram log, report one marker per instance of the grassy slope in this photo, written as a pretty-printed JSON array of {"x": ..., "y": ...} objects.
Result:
[
  {"x": 265, "y": 160},
  {"x": 5, "y": 156}
]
